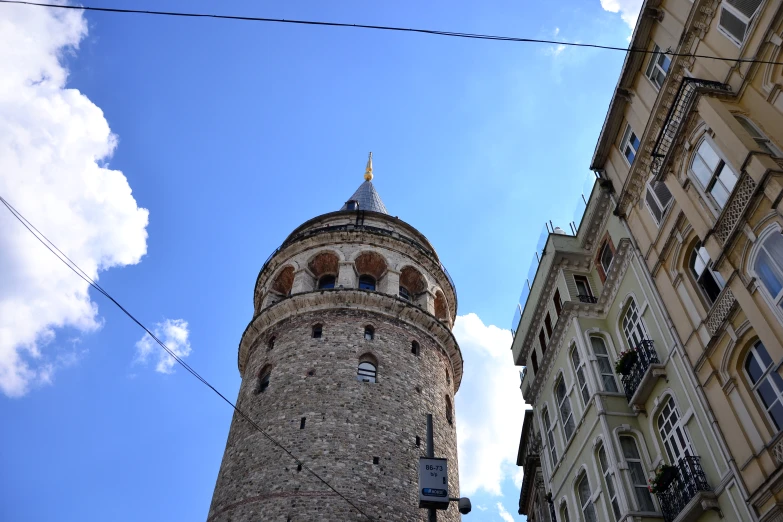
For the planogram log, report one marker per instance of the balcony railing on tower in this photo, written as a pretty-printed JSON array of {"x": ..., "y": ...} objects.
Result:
[
  {"x": 689, "y": 494},
  {"x": 587, "y": 299},
  {"x": 641, "y": 374}
]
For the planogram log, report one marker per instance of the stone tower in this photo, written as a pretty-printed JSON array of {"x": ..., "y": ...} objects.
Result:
[{"x": 350, "y": 346}]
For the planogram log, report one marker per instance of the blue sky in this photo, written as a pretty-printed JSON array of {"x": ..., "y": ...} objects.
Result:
[{"x": 231, "y": 134}]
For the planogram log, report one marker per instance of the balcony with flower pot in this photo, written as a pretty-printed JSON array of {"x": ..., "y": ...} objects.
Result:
[
  {"x": 683, "y": 491},
  {"x": 639, "y": 370}
]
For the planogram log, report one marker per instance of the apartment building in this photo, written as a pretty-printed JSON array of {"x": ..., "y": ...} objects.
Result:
[{"x": 673, "y": 374}]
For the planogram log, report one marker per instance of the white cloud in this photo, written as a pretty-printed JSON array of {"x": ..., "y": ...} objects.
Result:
[
  {"x": 505, "y": 515},
  {"x": 480, "y": 507},
  {"x": 628, "y": 9},
  {"x": 489, "y": 406},
  {"x": 53, "y": 145},
  {"x": 174, "y": 334}
]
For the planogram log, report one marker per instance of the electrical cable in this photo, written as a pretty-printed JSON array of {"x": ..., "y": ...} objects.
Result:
[
  {"x": 78, "y": 271},
  {"x": 475, "y": 36}
]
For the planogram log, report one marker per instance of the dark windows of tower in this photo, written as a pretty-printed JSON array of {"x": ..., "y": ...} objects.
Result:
[
  {"x": 270, "y": 343},
  {"x": 302, "y": 423},
  {"x": 376, "y": 460},
  {"x": 449, "y": 413},
  {"x": 368, "y": 369},
  {"x": 317, "y": 331},
  {"x": 404, "y": 293},
  {"x": 418, "y": 441},
  {"x": 367, "y": 282},
  {"x": 448, "y": 377},
  {"x": 415, "y": 348},
  {"x": 263, "y": 380},
  {"x": 298, "y": 468},
  {"x": 369, "y": 333},
  {"x": 352, "y": 205},
  {"x": 326, "y": 282}
]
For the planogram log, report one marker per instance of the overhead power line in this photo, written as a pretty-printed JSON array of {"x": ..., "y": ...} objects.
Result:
[
  {"x": 78, "y": 271},
  {"x": 454, "y": 34}
]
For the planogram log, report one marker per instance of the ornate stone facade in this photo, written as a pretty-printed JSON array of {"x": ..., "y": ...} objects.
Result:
[{"x": 363, "y": 438}]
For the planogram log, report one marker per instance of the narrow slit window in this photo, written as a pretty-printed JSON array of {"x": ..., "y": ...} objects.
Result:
[
  {"x": 263, "y": 381},
  {"x": 317, "y": 331},
  {"x": 449, "y": 412},
  {"x": 271, "y": 343},
  {"x": 369, "y": 333},
  {"x": 302, "y": 423},
  {"x": 415, "y": 348}
]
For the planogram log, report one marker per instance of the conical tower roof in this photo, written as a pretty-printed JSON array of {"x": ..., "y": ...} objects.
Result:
[{"x": 366, "y": 195}]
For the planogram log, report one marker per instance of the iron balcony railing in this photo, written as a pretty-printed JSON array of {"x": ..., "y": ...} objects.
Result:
[
  {"x": 689, "y": 482},
  {"x": 587, "y": 298},
  {"x": 364, "y": 228},
  {"x": 645, "y": 356}
]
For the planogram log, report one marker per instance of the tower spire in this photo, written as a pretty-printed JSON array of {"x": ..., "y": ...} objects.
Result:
[{"x": 368, "y": 169}]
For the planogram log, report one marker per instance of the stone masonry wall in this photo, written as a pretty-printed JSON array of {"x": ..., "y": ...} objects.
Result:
[{"x": 347, "y": 423}]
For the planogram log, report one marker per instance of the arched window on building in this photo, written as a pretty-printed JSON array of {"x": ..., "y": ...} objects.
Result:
[
  {"x": 761, "y": 140},
  {"x": 636, "y": 472},
  {"x": 766, "y": 382},
  {"x": 713, "y": 174},
  {"x": 326, "y": 282},
  {"x": 633, "y": 326},
  {"x": 608, "y": 380},
  {"x": 609, "y": 481},
  {"x": 367, "y": 282},
  {"x": 564, "y": 407},
  {"x": 768, "y": 264},
  {"x": 709, "y": 281},
  {"x": 368, "y": 369},
  {"x": 675, "y": 438},
  {"x": 550, "y": 436},
  {"x": 263, "y": 380},
  {"x": 415, "y": 348},
  {"x": 564, "y": 513},
  {"x": 449, "y": 412},
  {"x": 369, "y": 333},
  {"x": 583, "y": 492},
  {"x": 317, "y": 331},
  {"x": 580, "y": 374}
]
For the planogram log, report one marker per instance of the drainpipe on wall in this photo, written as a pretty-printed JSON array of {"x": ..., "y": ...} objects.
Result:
[{"x": 691, "y": 373}]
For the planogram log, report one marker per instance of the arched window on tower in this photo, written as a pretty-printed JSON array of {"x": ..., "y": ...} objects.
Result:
[
  {"x": 368, "y": 369},
  {"x": 369, "y": 333},
  {"x": 415, "y": 348},
  {"x": 263, "y": 380},
  {"x": 404, "y": 293},
  {"x": 326, "y": 282},
  {"x": 270, "y": 343},
  {"x": 367, "y": 282},
  {"x": 317, "y": 331},
  {"x": 449, "y": 412}
]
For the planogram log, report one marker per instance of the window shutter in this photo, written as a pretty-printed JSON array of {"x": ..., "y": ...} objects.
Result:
[
  {"x": 652, "y": 204},
  {"x": 746, "y": 7},
  {"x": 658, "y": 198},
  {"x": 662, "y": 193},
  {"x": 732, "y": 24}
]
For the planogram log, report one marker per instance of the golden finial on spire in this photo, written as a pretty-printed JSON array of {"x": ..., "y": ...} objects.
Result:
[{"x": 368, "y": 169}]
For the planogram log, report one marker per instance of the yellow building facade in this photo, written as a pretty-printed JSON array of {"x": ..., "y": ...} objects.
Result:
[{"x": 690, "y": 164}]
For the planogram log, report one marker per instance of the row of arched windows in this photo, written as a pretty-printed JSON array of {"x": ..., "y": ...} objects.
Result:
[{"x": 628, "y": 470}]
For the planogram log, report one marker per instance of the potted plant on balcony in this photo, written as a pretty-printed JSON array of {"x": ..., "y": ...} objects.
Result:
[
  {"x": 664, "y": 475},
  {"x": 625, "y": 362}
]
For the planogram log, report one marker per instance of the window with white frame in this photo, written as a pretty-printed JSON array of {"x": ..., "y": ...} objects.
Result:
[
  {"x": 658, "y": 67},
  {"x": 580, "y": 375},
  {"x": 673, "y": 435},
  {"x": 768, "y": 265},
  {"x": 710, "y": 282},
  {"x": 564, "y": 407},
  {"x": 550, "y": 436},
  {"x": 582, "y": 286},
  {"x": 633, "y": 326},
  {"x": 604, "y": 364},
  {"x": 657, "y": 199},
  {"x": 636, "y": 473},
  {"x": 607, "y": 256},
  {"x": 609, "y": 481},
  {"x": 588, "y": 509},
  {"x": 629, "y": 145},
  {"x": 766, "y": 382},
  {"x": 735, "y": 18},
  {"x": 761, "y": 140},
  {"x": 715, "y": 176}
]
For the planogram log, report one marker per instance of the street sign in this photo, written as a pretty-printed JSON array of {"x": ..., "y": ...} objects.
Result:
[{"x": 433, "y": 483}]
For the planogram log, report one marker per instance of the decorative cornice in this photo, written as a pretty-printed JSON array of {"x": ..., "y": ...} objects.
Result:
[
  {"x": 571, "y": 309},
  {"x": 342, "y": 298}
]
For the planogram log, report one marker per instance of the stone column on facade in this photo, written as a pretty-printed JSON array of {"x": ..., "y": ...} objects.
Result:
[
  {"x": 756, "y": 318},
  {"x": 303, "y": 282},
  {"x": 427, "y": 301},
  {"x": 391, "y": 283},
  {"x": 346, "y": 277},
  {"x": 688, "y": 207}
]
